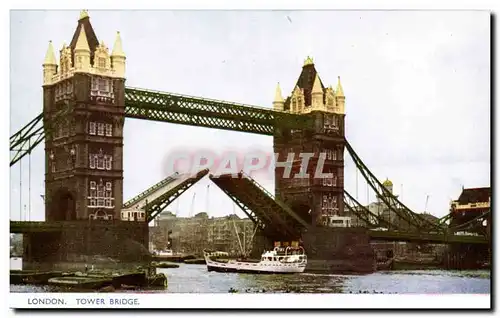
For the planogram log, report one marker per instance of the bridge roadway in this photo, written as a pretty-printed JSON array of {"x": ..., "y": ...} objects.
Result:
[
  {"x": 420, "y": 237},
  {"x": 57, "y": 226},
  {"x": 41, "y": 226}
]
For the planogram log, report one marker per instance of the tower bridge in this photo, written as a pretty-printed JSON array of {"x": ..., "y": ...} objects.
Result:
[{"x": 85, "y": 103}]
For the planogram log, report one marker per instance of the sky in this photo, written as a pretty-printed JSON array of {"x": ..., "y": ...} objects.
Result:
[{"x": 417, "y": 87}]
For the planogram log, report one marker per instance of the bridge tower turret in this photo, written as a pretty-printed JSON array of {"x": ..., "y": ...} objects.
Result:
[
  {"x": 84, "y": 152},
  {"x": 279, "y": 102},
  {"x": 315, "y": 199}
]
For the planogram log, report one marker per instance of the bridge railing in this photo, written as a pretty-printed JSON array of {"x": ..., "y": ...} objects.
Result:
[
  {"x": 154, "y": 188},
  {"x": 248, "y": 106}
]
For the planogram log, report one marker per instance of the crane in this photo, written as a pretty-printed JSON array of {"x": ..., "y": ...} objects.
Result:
[{"x": 426, "y": 201}]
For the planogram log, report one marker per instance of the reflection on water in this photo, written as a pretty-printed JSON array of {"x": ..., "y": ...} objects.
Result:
[{"x": 196, "y": 279}]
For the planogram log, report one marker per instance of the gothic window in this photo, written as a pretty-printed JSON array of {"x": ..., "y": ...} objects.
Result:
[
  {"x": 100, "y": 191},
  {"x": 334, "y": 180},
  {"x": 335, "y": 121},
  {"x": 95, "y": 86},
  {"x": 100, "y": 195},
  {"x": 103, "y": 85},
  {"x": 109, "y": 130},
  {"x": 92, "y": 161},
  {"x": 330, "y": 154},
  {"x": 101, "y": 62},
  {"x": 327, "y": 182},
  {"x": 330, "y": 102},
  {"x": 327, "y": 121},
  {"x": 334, "y": 205},
  {"x": 294, "y": 104},
  {"x": 92, "y": 128},
  {"x": 100, "y": 129},
  {"x": 109, "y": 162},
  {"x": 93, "y": 189},
  {"x": 100, "y": 161}
]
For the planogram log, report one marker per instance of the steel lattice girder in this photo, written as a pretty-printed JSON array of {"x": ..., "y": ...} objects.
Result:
[
  {"x": 470, "y": 223},
  {"x": 261, "y": 214},
  {"x": 180, "y": 109},
  {"x": 248, "y": 211},
  {"x": 28, "y": 137},
  {"x": 263, "y": 206},
  {"x": 197, "y": 111},
  {"x": 156, "y": 206},
  {"x": 150, "y": 190},
  {"x": 366, "y": 215},
  {"x": 390, "y": 200}
]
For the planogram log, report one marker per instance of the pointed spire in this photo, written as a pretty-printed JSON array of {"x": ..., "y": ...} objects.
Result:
[
  {"x": 84, "y": 14},
  {"x": 278, "y": 97},
  {"x": 50, "y": 57},
  {"x": 317, "y": 85},
  {"x": 118, "y": 48},
  {"x": 82, "y": 43},
  {"x": 339, "y": 92},
  {"x": 308, "y": 61}
]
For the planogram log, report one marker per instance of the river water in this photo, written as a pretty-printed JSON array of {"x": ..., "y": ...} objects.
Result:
[{"x": 196, "y": 279}]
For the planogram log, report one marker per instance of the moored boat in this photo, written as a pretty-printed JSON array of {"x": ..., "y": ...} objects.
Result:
[{"x": 278, "y": 261}]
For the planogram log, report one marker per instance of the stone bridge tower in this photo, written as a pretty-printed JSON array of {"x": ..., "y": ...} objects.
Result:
[
  {"x": 315, "y": 199},
  {"x": 84, "y": 148},
  {"x": 83, "y": 108}
]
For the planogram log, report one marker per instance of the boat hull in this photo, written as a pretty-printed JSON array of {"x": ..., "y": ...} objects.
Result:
[
  {"x": 246, "y": 271},
  {"x": 255, "y": 268}
]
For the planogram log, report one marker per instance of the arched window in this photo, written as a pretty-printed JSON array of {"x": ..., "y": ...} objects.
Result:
[{"x": 101, "y": 194}]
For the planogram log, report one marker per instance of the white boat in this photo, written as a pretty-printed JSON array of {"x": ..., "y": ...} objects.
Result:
[
  {"x": 278, "y": 261},
  {"x": 164, "y": 253}
]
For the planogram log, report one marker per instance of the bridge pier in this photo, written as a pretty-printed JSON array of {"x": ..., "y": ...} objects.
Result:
[
  {"x": 115, "y": 244},
  {"x": 339, "y": 250},
  {"x": 466, "y": 256},
  {"x": 260, "y": 243}
]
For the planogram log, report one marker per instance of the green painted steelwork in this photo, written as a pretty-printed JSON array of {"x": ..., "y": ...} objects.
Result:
[
  {"x": 414, "y": 221},
  {"x": 156, "y": 206},
  {"x": 211, "y": 113},
  {"x": 272, "y": 216},
  {"x": 372, "y": 220},
  {"x": 130, "y": 203},
  {"x": 179, "y": 109},
  {"x": 31, "y": 135},
  {"x": 422, "y": 237}
]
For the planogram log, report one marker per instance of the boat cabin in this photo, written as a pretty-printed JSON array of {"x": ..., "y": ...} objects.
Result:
[{"x": 284, "y": 255}]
